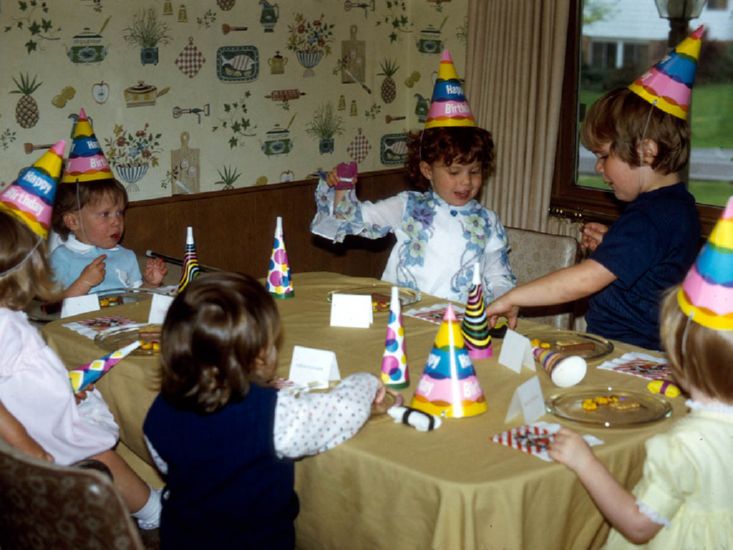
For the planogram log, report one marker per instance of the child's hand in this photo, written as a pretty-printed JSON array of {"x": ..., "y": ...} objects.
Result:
[
  {"x": 381, "y": 392},
  {"x": 82, "y": 395},
  {"x": 155, "y": 271},
  {"x": 502, "y": 307},
  {"x": 94, "y": 273},
  {"x": 571, "y": 449},
  {"x": 592, "y": 235}
]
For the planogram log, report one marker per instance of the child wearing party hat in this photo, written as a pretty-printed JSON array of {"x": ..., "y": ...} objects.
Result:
[
  {"x": 34, "y": 383},
  {"x": 89, "y": 216},
  {"x": 683, "y": 499},
  {"x": 442, "y": 231},
  {"x": 641, "y": 138}
]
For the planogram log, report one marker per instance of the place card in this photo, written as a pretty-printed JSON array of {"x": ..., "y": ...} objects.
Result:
[
  {"x": 351, "y": 310},
  {"x": 313, "y": 368},
  {"x": 76, "y": 305},
  {"x": 158, "y": 308},
  {"x": 527, "y": 401},
  {"x": 516, "y": 352}
]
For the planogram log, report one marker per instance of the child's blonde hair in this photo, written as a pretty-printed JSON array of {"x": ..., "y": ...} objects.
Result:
[
  {"x": 699, "y": 356},
  {"x": 622, "y": 119},
  {"x": 24, "y": 270},
  {"x": 72, "y": 197},
  {"x": 215, "y": 334}
]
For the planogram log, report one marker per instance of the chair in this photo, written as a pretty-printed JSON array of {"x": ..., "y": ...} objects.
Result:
[
  {"x": 533, "y": 254},
  {"x": 43, "y": 505}
]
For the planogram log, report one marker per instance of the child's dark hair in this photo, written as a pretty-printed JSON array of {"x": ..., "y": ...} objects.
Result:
[
  {"x": 623, "y": 119},
  {"x": 451, "y": 144},
  {"x": 24, "y": 270},
  {"x": 699, "y": 356},
  {"x": 214, "y": 335},
  {"x": 71, "y": 197}
]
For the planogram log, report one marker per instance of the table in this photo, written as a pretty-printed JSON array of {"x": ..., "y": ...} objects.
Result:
[{"x": 391, "y": 486}]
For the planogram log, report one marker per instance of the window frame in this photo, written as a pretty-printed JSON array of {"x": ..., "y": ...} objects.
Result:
[{"x": 567, "y": 199}]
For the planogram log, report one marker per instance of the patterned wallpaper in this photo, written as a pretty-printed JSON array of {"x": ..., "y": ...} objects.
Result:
[{"x": 199, "y": 95}]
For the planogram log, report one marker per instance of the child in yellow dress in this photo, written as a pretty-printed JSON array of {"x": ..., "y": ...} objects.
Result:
[{"x": 684, "y": 499}]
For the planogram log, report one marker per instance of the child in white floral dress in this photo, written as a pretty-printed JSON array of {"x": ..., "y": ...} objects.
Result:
[{"x": 442, "y": 231}]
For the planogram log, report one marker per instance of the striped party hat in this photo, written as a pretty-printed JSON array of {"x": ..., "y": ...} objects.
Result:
[
  {"x": 706, "y": 295},
  {"x": 475, "y": 324},
  {"x": 31, "y": 196},
  {"x": 668, "y": 84},
  {"x": 86, "y": 159},
  {"x": 448, "y": 106},
  {"x": 191, "y": 267}
]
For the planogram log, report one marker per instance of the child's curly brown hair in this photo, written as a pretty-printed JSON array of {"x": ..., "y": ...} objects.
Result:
[{"x": 451, "y": 144}]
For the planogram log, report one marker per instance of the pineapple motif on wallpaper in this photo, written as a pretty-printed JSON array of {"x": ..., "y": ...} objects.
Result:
[
  {"x": 26, "y": 110},
  {"x": 389, "y": 88}
]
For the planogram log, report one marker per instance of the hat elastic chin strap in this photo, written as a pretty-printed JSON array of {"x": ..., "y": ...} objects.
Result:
[{"x": 17, "y": 266}]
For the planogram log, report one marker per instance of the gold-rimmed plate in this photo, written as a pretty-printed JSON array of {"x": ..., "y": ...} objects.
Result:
[
  {"x": 608, "y": 407},
  {"x": 587, "y": 346},
  {"x": 381, "y": 295},
  {"x": 115, "y": 338}
]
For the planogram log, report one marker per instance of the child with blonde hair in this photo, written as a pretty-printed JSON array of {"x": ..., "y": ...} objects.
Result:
[
  {"x": 34, "y": 383},
  {"x": 222, "y": 436},
  {"x": 683, "y": 499}
]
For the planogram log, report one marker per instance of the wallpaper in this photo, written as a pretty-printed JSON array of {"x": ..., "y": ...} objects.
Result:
[{"x": 188, "y": 96}]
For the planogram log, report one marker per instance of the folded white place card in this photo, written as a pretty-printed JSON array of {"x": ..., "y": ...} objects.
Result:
[
  {"x": 158, "y": 308},
  {"x": 313, "y": 368},
  {"x": 351, "y": 310},
  {"x": 528, "y": 401},
  {"x": 79, "y": 304},
  {"x": 516, "y": 352}
]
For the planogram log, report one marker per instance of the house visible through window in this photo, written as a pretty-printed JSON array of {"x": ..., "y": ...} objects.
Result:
[{"x": 610, "y": 44}]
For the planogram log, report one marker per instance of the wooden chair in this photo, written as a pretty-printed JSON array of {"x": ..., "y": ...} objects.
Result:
[
  {"x": 533, "y": 254},
  {"x": 43, "y": 505}
]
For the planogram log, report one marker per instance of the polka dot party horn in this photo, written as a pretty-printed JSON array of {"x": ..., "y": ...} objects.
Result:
[
  {"x": 85, "y": 375},
  {"x": 191, "y": 268},
  {"x": 279, "y": 283},
  {"x": 395, "y": 373}
]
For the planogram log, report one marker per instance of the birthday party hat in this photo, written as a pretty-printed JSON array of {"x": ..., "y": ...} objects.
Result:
[
  {"x": 706, "y": 295},
  {"x": 668, "y": 84},
  {"x": 449, "y": 386},
  {"x": 448, "y": 106},
  {"x": 31, "y": 196},
  {"x": 395, "y": 373},
  {"x": 191, "y": 268},
  {"x": 86, "y": 159},
  {"x": 475, "y": 324},
  {"x": 278, "y": 282},
  {"x": 87, "y": 374}
]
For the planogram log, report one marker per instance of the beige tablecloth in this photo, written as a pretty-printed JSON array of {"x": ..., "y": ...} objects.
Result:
[{"x": 391, "y": 486}]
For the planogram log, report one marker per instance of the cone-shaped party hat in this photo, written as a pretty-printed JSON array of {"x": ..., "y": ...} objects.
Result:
[
  {"x": 31, "y": 196},
  {"x": 448, "y": 386},
  {"x": 668, "y": 84},
  {"x": 475, "y": 324},
  {"x": 86, "y": 159},
  {"x": 395, "y": 373},
  {"x": 191, "y": 268},
  {"x": 706, "y": 295},
  {"x": 448, "y": 106},
  {"x": 91, "y": 372},
  {"x": 278, "y": 282}
]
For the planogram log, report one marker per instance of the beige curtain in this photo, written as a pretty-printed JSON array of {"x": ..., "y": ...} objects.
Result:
[{"x": 514, "y": 71}]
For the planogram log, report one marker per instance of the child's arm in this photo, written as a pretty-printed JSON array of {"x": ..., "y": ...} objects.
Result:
[
  {"x": 315, "y": 422},
  {"x": 91, "y": 276},
  {"x": 616, "y": 504},
  {"x": 155, "y": 271},
  {"x": 16, "y": 435},
  {"x": 558, "y": 287}
]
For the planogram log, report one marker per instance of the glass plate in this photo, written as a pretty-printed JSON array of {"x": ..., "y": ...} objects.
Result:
[
  {"x": 381, "y": 295},
  {"x": 613, "y": 407},
  {"x": 588, "y": 346},
  {"x": 118, "y": 337}
]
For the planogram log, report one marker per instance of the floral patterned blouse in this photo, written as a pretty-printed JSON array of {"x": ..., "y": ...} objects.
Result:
[{"x": 437, "y": 245}]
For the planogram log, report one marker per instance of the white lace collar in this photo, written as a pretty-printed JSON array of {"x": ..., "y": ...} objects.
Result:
[{"x": 72, "y": 243}]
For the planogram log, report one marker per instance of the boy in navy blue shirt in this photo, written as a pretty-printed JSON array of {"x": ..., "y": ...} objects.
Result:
[{"x": 640, "y": 149}]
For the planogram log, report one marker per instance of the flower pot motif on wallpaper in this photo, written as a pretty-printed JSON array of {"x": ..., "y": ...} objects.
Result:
[
  {"x": 131, "y": 154},
  {"x": 310, "y": 40}
]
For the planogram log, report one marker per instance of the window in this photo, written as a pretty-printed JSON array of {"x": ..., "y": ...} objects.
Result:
[
  {"x": 717, "y": 4},
  {"x": 612, "y": 42}
]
